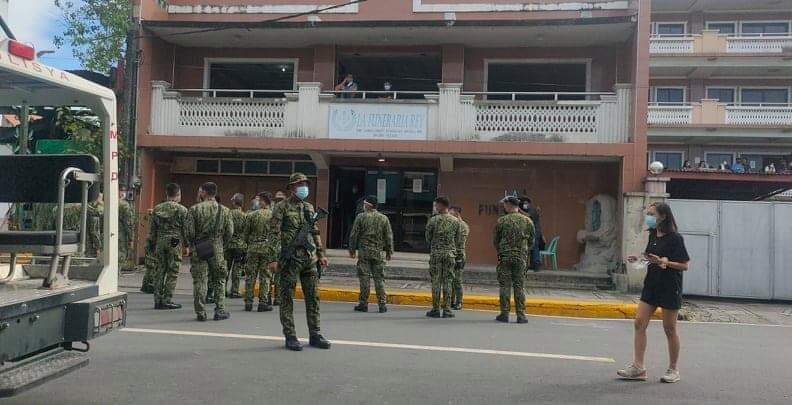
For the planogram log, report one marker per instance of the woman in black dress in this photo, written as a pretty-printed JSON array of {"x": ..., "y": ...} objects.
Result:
[{"x": 667, "y": 259}]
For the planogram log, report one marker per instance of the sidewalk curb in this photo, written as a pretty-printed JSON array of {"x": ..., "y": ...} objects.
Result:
[{"x": 534, "y": 305}]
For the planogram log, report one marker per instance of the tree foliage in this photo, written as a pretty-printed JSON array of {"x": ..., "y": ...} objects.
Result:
[{"x": 96, "y": 30}]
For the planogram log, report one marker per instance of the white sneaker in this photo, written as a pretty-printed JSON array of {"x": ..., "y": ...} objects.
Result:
[
  {"x": 631, "y": 372},
  {"x": 671, "y": 376}
]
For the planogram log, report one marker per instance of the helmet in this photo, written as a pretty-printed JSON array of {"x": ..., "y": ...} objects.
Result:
[{"x": 296, "y": 178}]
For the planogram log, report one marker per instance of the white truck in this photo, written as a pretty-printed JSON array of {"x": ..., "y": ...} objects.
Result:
[{"x": 50, "y": 309}]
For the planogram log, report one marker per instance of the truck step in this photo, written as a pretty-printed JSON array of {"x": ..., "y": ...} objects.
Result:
[{"x": 35, "y": 371}]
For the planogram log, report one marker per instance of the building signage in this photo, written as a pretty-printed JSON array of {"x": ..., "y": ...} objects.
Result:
[{"x": 377, "y": 121}]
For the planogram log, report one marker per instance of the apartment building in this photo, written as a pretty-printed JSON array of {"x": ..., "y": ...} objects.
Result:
[
  {"x": 461, "y": 98},
  {"x": 721, "y": 92}
]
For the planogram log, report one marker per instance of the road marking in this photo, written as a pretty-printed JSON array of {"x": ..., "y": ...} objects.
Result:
[{"x": 380, "y": 345}]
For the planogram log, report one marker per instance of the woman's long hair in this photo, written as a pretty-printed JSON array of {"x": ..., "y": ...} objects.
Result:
[{"x": 667, "y": 225}]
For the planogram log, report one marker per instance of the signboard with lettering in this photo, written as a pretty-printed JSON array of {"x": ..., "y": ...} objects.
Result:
[{"x": 377, "y": 121}]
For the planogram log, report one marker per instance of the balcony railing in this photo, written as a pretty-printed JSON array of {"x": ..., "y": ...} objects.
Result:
[
  {"x": 712, "y": 112},
  {"x": 448, "y": 114},
  {"x": 712, "y": 42}
]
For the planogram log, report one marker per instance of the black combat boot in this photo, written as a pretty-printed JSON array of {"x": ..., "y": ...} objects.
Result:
[
  {"x": 503, "y": 317},
  {"x": 248, "y": 306},
  {"x": 319, "y": 341},
  {"x": 264, "y": 307},
  {"x": 361, "y": 308},
  {"x": 201, "y": 317},
  {"x": 221, "y": 315},
  {"x": 435, "y": 313},
  {"x": 167, "y": 305},
  {"x": 293, "y": 344},
  {"x": 522, "y": 319},
  {"x": 383, "y": 309},
  {"x": 448, "y": 314}
]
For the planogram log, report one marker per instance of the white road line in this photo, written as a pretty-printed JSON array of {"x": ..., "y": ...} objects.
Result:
[{"x": 380, "y": 345}]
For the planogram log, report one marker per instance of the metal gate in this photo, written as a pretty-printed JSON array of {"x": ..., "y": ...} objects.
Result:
[{"x": 738, "y": 249}]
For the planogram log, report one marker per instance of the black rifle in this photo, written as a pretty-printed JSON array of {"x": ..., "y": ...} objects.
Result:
[{"x": 304, "y": 238}]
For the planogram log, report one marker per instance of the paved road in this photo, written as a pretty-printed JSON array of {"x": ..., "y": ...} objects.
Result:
[{"x": 403, "y": 357}]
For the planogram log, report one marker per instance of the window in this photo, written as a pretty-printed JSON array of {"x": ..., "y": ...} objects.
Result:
[
  {"x": 676, "y": 28},
  {"x": 277, "y": 167},
  {"x": 765, "y": 28},
  {"x": 256, "y": 166},
  {"x": 207, "y": 166},
  {"x": 714, "y": 160},
  {"x": 722, "y": 94},
  {"x": 250, "y": 75},
  {"x": 767, "y": 96},
  {"x": 669, "y": 95},
  {"x": 670, "y": 160},
  {"x": 536, "y": 77},
  {"x": 230, "y": 166},
  {"x": 723, "y": 27},
  {"x": 306, "y": 168}
]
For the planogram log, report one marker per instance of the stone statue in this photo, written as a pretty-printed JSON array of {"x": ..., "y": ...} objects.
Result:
[{"x": 600, "y": 235}]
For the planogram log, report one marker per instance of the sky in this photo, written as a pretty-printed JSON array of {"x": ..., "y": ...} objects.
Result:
[{"x": 36, "y": 22}]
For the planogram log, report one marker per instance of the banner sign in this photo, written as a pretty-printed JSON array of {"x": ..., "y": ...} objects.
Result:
[{"x": 377, "y": 121}]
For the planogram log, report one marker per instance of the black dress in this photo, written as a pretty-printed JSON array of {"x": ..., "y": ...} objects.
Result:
[{"x": 663, "y": 287}]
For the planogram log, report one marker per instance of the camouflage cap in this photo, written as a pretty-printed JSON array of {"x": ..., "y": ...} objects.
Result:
[{"x": 297, "y": 177}]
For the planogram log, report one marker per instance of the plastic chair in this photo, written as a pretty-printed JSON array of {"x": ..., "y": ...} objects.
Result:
[{"x": 550, "y": 252}]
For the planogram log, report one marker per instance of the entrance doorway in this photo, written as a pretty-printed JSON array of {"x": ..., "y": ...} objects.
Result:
[{"x": 405, "y": 197}]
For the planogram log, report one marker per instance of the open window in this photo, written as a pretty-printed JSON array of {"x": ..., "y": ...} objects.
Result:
[
  {"x": 417, "y": 72},
  {"x": 527, "y": 76},
  {"x": 246, "y": 77},
  {"x": 765, "y": 28},
  {"x": 726, "y": 95},
  {"x": 757, "y": 96},
  {"x": 670, "y": 160},
  {"x": 669, "y": 95},
  {"x": 669, "y": 28}
]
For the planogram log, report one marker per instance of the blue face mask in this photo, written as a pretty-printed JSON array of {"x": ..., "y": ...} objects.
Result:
[
  {"x": 302, "y": 192},
  {"x": 650, "y": 221},
  {"x": 256, "y": 205}
]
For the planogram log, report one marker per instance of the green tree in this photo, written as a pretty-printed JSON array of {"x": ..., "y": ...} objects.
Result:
[{"x": 97, "y": 31}]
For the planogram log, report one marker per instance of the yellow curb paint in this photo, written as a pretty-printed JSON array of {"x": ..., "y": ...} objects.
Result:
[{"x": 533, "y": 305}]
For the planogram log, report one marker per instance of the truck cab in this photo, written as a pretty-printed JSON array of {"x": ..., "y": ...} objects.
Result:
[{"x": 53, "y": 303}]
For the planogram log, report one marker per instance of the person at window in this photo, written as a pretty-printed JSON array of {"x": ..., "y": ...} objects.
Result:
[
  {"x": 387, "y": 87},
  {"x": 703, "y": 165},
  {"x": 687, "y": 166},
  {"x": 770, "y": 169},
  {"x": 746, "y": 165},
  {"x": 738, "y": 167},
  {"x": 667, "y": 260},
  {"x": 348, "y": 85}
]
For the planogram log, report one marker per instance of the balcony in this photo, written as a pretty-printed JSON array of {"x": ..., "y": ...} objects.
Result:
[
  {"x": 448, "y": 114},
  {"x": 711, "y": 42}
]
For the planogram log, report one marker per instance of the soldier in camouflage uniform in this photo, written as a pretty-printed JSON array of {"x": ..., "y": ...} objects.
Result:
[
  {"x": 371, "y": 237},
  {"x": 72, "y": 218},
  {"x": 262, "y": 250},
  {"x": 204, "y": 222},
  {"x": 127, "y": 221},
  {"x": 288, "y": 216},
  {"x": 514, "y": 233},
  {"x": 150, "y": 263},
  {"x": 43, "y": 216},
  {"x": 444, "y": 235},
  {"x": 456, "y": 285},
  {"x": 167, "y": 229},
  {"x": 279, "y": 196},
  {"x": 95, "y": 225},
  {"x": 236, "y": 248}
]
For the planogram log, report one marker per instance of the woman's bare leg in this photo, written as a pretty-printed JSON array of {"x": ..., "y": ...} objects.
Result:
[
  {"x": 642, "y": 317},
  {"x": 670, "y": 328}
]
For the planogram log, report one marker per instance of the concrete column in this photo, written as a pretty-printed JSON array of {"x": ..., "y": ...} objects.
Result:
[
  {"x": 323, "y": 199},
  {"x": 307, "y": 108},
  {"x": 450, "y": 111}
]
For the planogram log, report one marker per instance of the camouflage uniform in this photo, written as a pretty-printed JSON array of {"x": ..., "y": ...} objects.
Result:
[
  {"x": 43, "y": 216},
  {"x": 287, "y": 219},
  {"x": 456, "y": 286},
  {"x": 371, "y": 236},
  {"x": 444, "y": 235},
  {"x": 236, "y": 249},
  {"x": 167, "y": 230},
  {"x": 126, "y": 233},
  {"x": 72, "y": 217},
  {"x": 150, "y": 263},
  {"x": 203, "y": 223},
  {"x": 513, "y": 236},
  {"x": 261, "y": 251},
  {"x": 95, "y": 226}
]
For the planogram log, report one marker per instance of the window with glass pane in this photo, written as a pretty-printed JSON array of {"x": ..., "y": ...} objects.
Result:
[
  {"x": 723, "y": 28},
  {"x": 722, "y": 94},
  {"x": 765, "y": 28},
  {"x": 715, "y": 159},
  {"x": 244, "y": 75},
  {"x": 670, "y": 29},
  {"x": 669, "y": 95},
  {"x": 770, "y": 96},
  {"x": 755, "y": 163},
  {"x": 670, "y": 160}
]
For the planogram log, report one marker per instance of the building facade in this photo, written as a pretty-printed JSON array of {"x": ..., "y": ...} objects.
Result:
[
  {"x": 461, "y": 98},
  {"x": 721, "y": 92}
]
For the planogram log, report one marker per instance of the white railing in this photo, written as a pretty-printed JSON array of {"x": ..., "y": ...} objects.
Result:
[
  {"x": 671, "y": 45},
  {"x": 769, "y": 115},
  {"x": 661, "y": 114},
  {"x": 449, "y": 114},
  {"x": 759, "y": 44}
]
